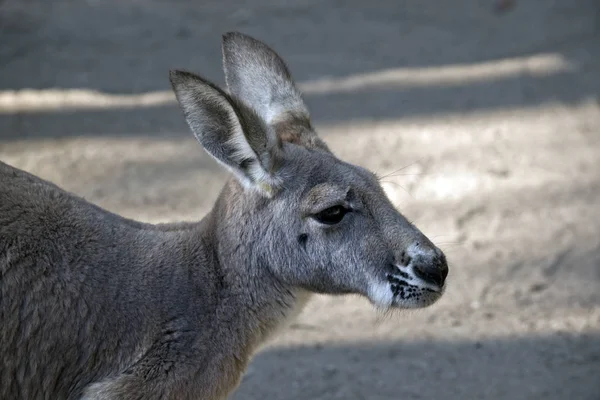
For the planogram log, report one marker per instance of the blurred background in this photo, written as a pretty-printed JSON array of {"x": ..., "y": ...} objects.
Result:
[{"x": 485, "y": 114}]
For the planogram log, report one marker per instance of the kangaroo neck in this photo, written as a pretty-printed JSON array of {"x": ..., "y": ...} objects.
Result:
[
  {"x": 252, "y": 295},
  {"x": 251, "y": 305}
]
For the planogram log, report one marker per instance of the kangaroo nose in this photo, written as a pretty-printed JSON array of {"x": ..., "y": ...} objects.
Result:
[{"x": 433, "y": 270}]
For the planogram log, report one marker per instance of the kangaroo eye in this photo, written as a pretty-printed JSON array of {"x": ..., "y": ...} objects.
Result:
[{"x": 332, "y": 215}]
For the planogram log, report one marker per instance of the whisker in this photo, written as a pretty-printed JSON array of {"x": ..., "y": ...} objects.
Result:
[
  {"x": 397, "y": 184},
  {"x": 411, "y": 174},
  {"x": 400, "y": 169}
]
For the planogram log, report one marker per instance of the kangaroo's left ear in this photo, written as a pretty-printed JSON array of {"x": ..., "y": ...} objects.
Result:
[
  {"x": 256, "y": 75},
  {"x": 229, "y": 131}
]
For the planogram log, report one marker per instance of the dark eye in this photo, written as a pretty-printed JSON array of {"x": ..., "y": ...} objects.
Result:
[{"x": 331, "y": 215}]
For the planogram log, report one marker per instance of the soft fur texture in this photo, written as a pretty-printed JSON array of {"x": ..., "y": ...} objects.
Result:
[{"x": 96, "y": 306}]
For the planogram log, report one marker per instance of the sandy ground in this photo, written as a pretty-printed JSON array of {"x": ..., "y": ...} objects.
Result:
[{"x": 495, "y": 119}]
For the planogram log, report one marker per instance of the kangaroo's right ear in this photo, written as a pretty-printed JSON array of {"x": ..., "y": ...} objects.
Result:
[
  {"x": 256, "y": 75},
  {"x": 231, "y": 133}
]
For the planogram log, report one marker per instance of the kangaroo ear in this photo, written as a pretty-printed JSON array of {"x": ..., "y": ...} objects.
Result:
[
  {"x": 230, "y": 132},
  {"x": 258, "y": 76}
]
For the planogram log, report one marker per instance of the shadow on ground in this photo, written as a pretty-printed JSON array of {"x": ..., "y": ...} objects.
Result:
[{"x": 552, "y": 367}]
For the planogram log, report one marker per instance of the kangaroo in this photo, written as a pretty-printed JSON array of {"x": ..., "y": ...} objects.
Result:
[{"x": 95, "y": 306}]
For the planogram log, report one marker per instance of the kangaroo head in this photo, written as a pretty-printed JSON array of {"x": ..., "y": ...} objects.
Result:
[{"x": 315, "y": 221}]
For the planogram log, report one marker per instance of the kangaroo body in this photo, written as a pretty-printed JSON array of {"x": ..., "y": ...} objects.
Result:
[
  {"x": 166, "y": 298},
  {"x": 95, "y": 306}
]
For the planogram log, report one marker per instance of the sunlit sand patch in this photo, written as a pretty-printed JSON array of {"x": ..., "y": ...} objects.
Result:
[
  {"x": 447, "y": 75},
  {"x": 56, "y": 99}
]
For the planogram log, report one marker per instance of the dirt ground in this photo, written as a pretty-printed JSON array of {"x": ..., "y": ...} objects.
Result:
[{"x": 493, "y": 116}]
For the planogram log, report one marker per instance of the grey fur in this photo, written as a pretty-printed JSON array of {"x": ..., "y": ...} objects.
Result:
[{"x": 96, "y": 306}]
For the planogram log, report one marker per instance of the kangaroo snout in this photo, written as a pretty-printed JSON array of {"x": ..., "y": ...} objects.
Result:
[
  {"x": 428, "y": 263},
  {"x": 433, "y": 270},
  {"x": 417, "y": 277}
]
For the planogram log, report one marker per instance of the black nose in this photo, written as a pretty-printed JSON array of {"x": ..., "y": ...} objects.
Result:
[{"x": 434, "y": 270}]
